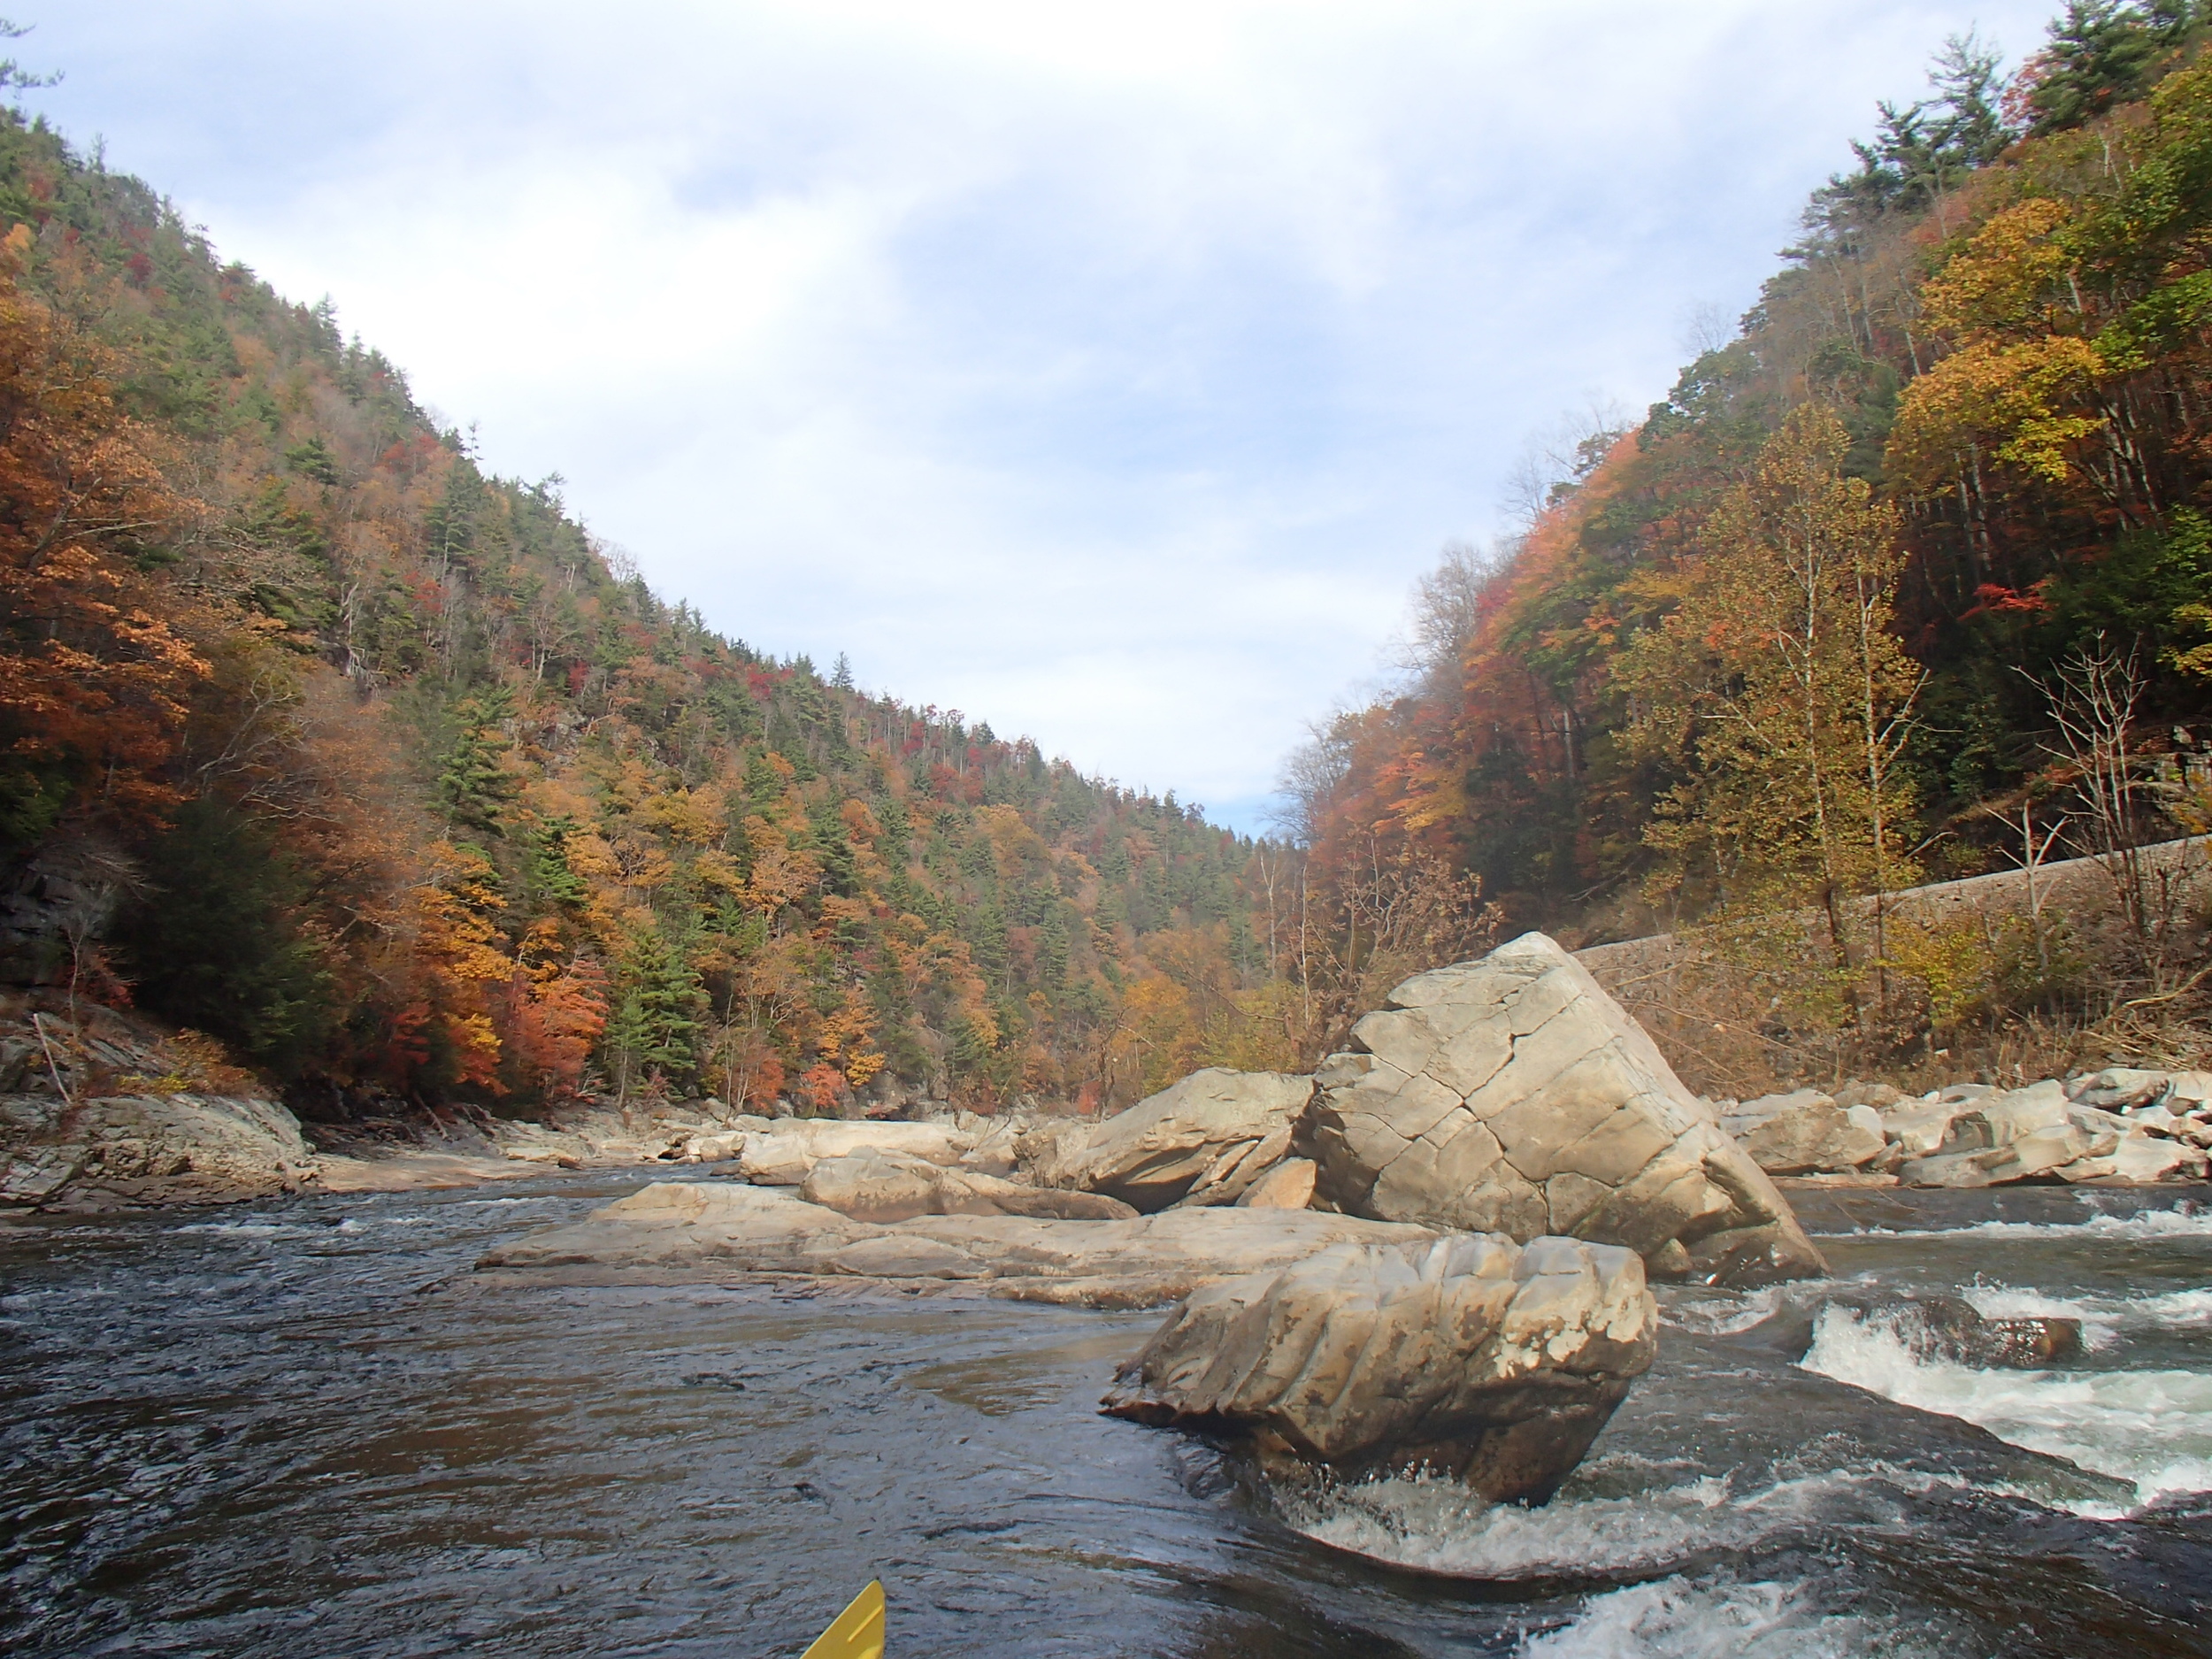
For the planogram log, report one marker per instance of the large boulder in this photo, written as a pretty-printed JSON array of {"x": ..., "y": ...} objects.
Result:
[
  {"x": 1464, "y": 1354},
  {"x": 785, "y": 1153},
  {"x": 1793, "y": 1134},
  {"x": 685, "y": 1231},
  {"x": 1513, "y": 1095},
  {"x": 1202, "y": 1140}
]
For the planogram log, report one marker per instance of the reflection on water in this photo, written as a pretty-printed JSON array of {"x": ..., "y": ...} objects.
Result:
[{"x": 306, "y": 1429}]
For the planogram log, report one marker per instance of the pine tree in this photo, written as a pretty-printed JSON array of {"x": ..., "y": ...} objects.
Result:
[
  {"x": 1970, "y": 85},
  {"x": 655, "y": 1026},
  {"x": 2101, "y": 53},
  {"x": 477, "y": 784},
  {"x": 550, "y": 877}
]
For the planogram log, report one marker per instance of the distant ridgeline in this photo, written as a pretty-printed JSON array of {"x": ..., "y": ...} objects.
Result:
[
  {"x": 315, "y": 738},
  {"x": 1785, "y": 638}
]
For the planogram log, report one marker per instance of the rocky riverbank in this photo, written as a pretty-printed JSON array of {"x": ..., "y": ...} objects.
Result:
[{"x": 1510, "y": 1096}]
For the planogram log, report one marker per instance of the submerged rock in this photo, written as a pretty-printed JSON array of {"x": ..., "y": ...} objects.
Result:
[
  {"x": 1513, "y": 1095},
  {"x": 1948, "y": 1329},
  {"x": 1462, "y": 1355}
]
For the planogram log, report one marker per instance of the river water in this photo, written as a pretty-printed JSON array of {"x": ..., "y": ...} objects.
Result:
[{"x": 305, "y": 1430}]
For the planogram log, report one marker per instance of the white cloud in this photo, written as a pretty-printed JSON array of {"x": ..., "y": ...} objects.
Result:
[{"x": 1106, "y": 372}]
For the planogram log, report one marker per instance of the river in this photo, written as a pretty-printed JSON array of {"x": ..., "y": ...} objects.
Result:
[{"x": 304, "y": 1429}]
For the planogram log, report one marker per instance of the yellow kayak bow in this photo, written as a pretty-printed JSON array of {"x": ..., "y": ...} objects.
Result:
[{"x": 857, "y": 1632}]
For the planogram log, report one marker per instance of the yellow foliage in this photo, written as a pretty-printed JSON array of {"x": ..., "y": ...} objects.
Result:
[
  {"x": 1952, "y": 962},
  {"x": 2007, "y": 276},
  {"x": 2020, "y": 401}
]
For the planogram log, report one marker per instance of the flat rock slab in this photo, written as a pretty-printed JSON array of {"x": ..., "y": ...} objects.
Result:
[{"x": 726, "y": 1228}]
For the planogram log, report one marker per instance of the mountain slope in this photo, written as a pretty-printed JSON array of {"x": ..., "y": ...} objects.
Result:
[{"x": 319, "y": 739}]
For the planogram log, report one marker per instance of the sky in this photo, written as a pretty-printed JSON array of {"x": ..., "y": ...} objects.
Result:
[{"x": 1109, "y": 372}]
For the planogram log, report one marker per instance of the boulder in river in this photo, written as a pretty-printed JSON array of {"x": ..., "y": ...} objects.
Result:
[
  {"x": 1513, "y": 1095},
  {"x": 1795, "y": 1134},
  {"x": 1462, "y": 1355},
  {"x": 1200, "y": 1140}
]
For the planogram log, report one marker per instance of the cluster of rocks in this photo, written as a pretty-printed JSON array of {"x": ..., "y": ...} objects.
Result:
[
  {"x": 2117, "y": 1127},
  {"x": 1431, "y": 1254},
  {"x": 1344, "y": 1341}
]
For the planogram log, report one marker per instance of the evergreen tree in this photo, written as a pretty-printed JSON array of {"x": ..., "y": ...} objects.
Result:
[
  {"x": 477, "y": 784},
  {"x": 1970, "y": 85},
  {"x": 654, "y": 1027},
  {"x": 2101, "y": 53},
  {"x": 550, "y": 877}
]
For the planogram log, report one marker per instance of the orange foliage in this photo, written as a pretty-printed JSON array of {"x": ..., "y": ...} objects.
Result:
[{"x": 99, "y": 663}]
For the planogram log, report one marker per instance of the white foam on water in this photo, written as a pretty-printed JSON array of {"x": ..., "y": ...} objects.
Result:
[
  {"x": 1675, "y": 1618},
  {"x": 2184, "y": 1221},
  {"x": 1436, "y": 1524},
  {"x": 2103, "y": 1319},
  {"x": 1441, "y": 1527},
  {"x": 245, "y": 1229},
  {"x": 2151, "y": 1427}
]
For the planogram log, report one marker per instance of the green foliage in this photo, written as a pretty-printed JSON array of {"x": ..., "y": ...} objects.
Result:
[
  {"x": 654, "y": 1028},
  {"x": 215, "y": 943},
  {"x": 478, "y": 784},
  {"x": 2101, "y": 54}
]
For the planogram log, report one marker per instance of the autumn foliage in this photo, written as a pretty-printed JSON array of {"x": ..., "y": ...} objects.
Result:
[
  {"x": 319, "y": 739},
  {"x": 1782, "y": 640}
]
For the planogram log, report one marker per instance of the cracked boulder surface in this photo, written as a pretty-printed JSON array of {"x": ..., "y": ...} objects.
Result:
[
  {"x": 1495, "y": 1364},
  {"x": 1513, "y": 1095}
]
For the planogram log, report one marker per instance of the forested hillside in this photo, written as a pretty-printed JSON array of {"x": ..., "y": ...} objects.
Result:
[
  {"x": 319, "y": 741},
  {"x": 380, "y": 772},
  {"x": 1922, "y": 548}
]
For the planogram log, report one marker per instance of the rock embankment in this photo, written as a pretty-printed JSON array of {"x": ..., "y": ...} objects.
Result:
[
  {"x": 171, "y": 1148},
  {"x": 2113, "y": 1128},
  {"x": 98, "y": 1110},
  {"x": 1495, "y": 1364}
]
